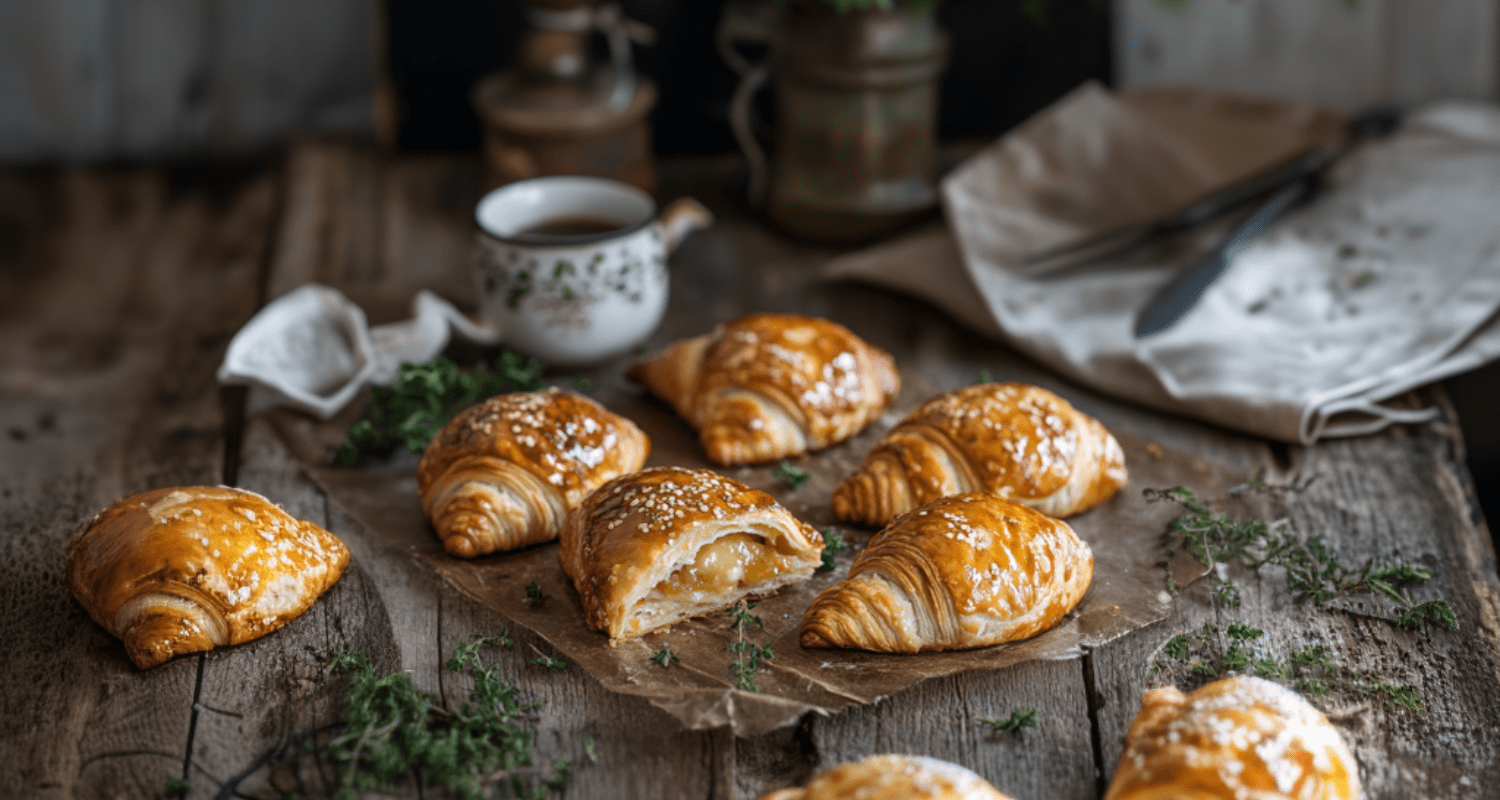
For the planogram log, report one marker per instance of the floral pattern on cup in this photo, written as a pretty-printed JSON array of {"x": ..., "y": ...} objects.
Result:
[{"x": 562, "y": 286}]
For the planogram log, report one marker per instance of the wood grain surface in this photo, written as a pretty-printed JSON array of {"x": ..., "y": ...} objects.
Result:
[{"x": 119, "y": 290}]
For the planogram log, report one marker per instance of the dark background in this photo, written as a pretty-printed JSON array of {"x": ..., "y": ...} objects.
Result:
[{"x": 1009, "y": 59}]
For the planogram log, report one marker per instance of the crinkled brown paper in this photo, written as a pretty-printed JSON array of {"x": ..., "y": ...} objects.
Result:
[{"x": 1127, "y": 590}]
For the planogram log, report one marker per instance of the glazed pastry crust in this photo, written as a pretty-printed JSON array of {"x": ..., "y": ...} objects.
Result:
[
  {"x": 768, "y": 386},
  {"x": 659, "y": 546},
  {"x": 966, "y": 571},
  {"x": 1008, "y": 439},
  {"x": 893, "y": 777},
  {"x": 503, "y": 474},
  {"x": 1239, "y": 737},
  {"x": 181, "y": 570}
]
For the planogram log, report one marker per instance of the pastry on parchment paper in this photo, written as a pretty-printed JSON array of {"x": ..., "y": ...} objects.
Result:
[
  {"x": 965, "y": 571},
  {"x": 656, "y": 547},
  {"x": 186, "y": 569},
  {"x": 769, "y": 386},
  {"x": 892, "y": 777},
  {"x": 1007, "y": 439},
  {"x": 1240, "y": 737},
  {"x": 503, "y": 474}
]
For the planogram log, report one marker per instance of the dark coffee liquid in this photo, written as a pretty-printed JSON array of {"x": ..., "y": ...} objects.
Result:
[{"x": 569, "y": 226}]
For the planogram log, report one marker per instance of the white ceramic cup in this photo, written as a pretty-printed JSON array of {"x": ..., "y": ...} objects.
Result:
[{"x": 580, "y": 298}]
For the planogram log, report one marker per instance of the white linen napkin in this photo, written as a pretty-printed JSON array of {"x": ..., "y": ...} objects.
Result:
[{"x": 1389, "y": 279}]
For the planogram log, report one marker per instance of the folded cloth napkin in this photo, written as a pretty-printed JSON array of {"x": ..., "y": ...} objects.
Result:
[{"x": 1389, "y": 279}]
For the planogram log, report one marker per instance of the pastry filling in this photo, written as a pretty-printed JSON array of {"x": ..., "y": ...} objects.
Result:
[{"x": 724, "y": 565}]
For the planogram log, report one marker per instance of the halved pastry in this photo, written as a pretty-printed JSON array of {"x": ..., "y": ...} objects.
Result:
[
  {"x": 768, "y": 386},
  {"x": 1235, "y": 738},
  {"x": 503, "y": 474},
  {"x": 966, "y": 571},
  {"x": 893, "y": 777},
  {"x": 1007, "y": 439},
  {"x": 659, "y": 546},
  {"x": 181, "y": 570}
]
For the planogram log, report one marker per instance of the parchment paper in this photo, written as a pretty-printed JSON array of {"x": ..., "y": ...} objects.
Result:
[{"x": 1126, "y": 593}]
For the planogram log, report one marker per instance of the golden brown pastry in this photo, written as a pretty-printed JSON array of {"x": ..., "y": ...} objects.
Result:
[
  {"x": 966, "y": 571},
  {"x": 503, "y": 474},
  {"x": 768, "y": 386},
  {"x": 893, "y": 778},
  {"x": 180, "y": 570},
  {"x": 1006, "y": 439},
  {"x": 1234, "y": 739},
  {"x": 665, "y": 544}
]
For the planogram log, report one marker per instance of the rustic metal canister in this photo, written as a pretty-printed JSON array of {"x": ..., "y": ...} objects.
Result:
[
  {"x": 557, "y": 113},
  {"x": 855, "y": 142}
]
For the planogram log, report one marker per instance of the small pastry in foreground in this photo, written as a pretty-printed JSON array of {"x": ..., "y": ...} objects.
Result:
[
  {"x": 1235, "y": 738},
  {"x": 893, "y": 778},
  {"x": 769, "y": 386},
  {"x": 182, "y": 570},
  {"x": 654, "y": 548},
  {"x": 503, "y": 474},
  {"x": 966, "y": 571},
  {"x": 1007, "y": 439}
]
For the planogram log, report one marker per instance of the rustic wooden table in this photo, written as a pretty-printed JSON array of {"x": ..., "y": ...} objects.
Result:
[{"x": 120, "y": 288}]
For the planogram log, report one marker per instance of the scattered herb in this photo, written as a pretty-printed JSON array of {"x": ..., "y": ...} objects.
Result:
[
  {"x": 1209, "y": 654},
  {"x": 554, "y": 662},
  {"x": 582, "y": 383},
  {"x": 176, "y": 787},
  {"x": 793, "y": 476},
  {"x": 391, "y": 731},
  {"x": 984, "y": 376},
  {"x": 588, "y": 749},
  {"x": 833, "y": 544},
  {"x": 1313, "y": 573},
  {"x": 666, "y": 657},
  {"x": 534, "y": 596},
  {"x": 424, "y": 398},
  {"x": 747, "y": 655},
  {"x": 1020, "y": 719}
]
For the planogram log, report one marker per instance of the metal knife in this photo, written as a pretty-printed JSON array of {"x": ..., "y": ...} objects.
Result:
[{"x": 1182, "y": 293}]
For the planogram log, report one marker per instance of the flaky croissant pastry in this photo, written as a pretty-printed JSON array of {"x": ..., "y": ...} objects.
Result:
[
  {"x": 966, "y": 571},
  {"x": 503, "y": 474},
  {"x": 659, "y": 546},
  {"x": 180, "y": 570},
  {"x": 893, "y": 778},
  {"x": 768, "y": 386},
  {"x": 1235, "y": 739},
  {"x": 1007, "y": 439}
]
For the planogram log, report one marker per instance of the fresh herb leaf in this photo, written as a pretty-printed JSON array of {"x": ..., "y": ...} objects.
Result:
[
  {"x": 424, "y": 398},
  {"x": 554, "y": 662},
  {"x": 747, "y": 655},
  {"x": 582, "y": 383},
  {"x": 833, "y": 544},
  {"x": 666, "y": 657},
  {"x": 534, "y": 596},
  {"x": 1020, "y": 719},
  {"x": 793, "y": 476},
  {"x": 984, "y": 376},
  {"x": 588, "y": 749},
  {"x": 176, "y": 787}
]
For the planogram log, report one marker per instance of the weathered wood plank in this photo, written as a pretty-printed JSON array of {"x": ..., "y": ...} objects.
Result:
[
  {"x": 1398, "y": 495},
  {"x": 121, "y": 291}
]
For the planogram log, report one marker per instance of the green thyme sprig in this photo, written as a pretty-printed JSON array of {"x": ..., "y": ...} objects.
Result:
[
  {"x": 534, "y": 596},
  {"x": 1313, "y": 572},
  {"x": 747, "y": 655},
  {"x": 833, "y": 544},
  {"x": 1019, "y": 720},
  {"x": 665, "y": 657},
  {"x": 794, "y": 476},
  {"x": 555, "y": 662},
  {"x": 1209, "y": 654},
  {"x": 423, "y": 399}
]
